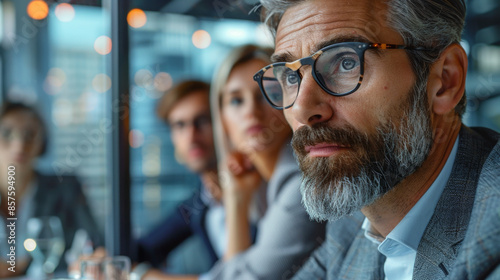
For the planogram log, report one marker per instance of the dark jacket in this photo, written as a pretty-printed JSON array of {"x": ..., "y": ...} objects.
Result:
[{"x": 187, "y": 220}]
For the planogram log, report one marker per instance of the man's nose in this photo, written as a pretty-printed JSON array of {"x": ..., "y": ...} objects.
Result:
[{"x": 312, "y": 104}]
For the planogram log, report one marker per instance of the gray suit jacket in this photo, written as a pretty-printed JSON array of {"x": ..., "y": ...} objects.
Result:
[{"x": 461, "y": 241}]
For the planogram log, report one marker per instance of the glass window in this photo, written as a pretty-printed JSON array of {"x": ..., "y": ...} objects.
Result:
[{"x": 167, "y": 49}]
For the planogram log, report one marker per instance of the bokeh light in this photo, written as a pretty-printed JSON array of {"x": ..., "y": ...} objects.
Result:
[
  {"x": 62, "y": 112},
  {"x": 163, "y": 81},
  {"x": 152, "y": 195},
  {"x": 201, "y": 39},
  {"x": 101, "y": 83},
  {"x": 136, "y": 138},
  {"x": 151, "y": 160},
  {"x": 136, "y": 18},
  {"x": 37, "y": 9},
  {"x": 103, "y": 45},
  {"x": 29, "y": 245},
  {"x": 89, "y": 101},
  {"x": 55, "y": 79},
  {"x": 65, "y": 12},
  {"x": 144, "y": 78}
]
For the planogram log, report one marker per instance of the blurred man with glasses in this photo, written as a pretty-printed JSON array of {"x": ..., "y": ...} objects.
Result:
[
  {"x": 186, "y": 110},
  {"x": 375, "y": 92}
]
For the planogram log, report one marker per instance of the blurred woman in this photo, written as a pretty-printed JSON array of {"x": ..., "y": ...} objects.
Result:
[
  {"x": 23, "y": 138},
  {"x": 253, "y": 144},
  {"x": 254, "y": 155}
]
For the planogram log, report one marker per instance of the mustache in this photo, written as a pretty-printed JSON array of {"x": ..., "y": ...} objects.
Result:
[{"x": 323, "y": 133}]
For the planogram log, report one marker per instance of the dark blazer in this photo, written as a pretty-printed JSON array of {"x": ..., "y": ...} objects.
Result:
[
  {"x": 188, "y": 219},
  {"x": 64, "y": 198},
  {"x": 462, "y": 239}
]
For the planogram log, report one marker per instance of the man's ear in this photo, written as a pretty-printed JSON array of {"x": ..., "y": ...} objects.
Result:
[{"x": 446, "y": 83}]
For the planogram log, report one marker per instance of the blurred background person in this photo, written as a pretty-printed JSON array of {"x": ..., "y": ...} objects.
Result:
[
  {"x": 186, "y": 110},
  {"x": 255, "y": 142},
  {"x": 253, "y": 146},
  {"x": 23, "y": 138}
]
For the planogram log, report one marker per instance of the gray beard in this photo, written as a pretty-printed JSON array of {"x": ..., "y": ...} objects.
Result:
[{"x": 330, "y": 191}]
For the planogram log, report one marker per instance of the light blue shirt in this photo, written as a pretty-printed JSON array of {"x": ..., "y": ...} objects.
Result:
[{"x": 400, "y": 245}]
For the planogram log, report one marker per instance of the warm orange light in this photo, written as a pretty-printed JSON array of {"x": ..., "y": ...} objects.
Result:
[
  {"x": 103, "y": 45},
  {"x": 65, "y": 12},
  {"x": 37, "y": 9},
  {"x": 201, "y": 39},
  {"x": 136, "y": 18}
]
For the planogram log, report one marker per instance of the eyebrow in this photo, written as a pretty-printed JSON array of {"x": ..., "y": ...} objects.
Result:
[
  {"x": 201, "y": 114},
  {"x": 288, "y": 57},
  {"x": 232, "y": 92}
]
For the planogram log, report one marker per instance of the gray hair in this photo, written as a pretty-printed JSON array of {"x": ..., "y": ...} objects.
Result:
[{"x": 433, "y": 24}]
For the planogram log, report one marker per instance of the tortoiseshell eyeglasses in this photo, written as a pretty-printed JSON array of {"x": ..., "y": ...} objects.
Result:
[{"x": 337, "y": 68}]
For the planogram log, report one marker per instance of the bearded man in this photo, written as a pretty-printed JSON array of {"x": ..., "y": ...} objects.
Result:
[{"x": 374, "y": 92}]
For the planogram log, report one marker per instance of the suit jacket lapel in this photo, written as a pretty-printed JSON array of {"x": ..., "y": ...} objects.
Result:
[
  {"x": 362, "y": 259},
  {"x": 446, "y": 230}
]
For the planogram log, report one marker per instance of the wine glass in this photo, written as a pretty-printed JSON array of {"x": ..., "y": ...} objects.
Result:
[
  {"x": 117, "y": 268},
  {"x": 45, "y": 243},
  {"x": 110, "y": 268}
]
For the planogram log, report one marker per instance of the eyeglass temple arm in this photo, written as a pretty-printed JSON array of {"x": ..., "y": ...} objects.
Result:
[{"x": 394, "y": 46}]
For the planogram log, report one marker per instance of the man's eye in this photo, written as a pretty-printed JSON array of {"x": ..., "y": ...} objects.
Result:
[
  {"x": 288, "y": 78},
  {"x": 348, "y": 64},
  {"x": 178, "y": 125},
  {"x": 292, "y": 78},
  {"x": 236, "y": 101},
  {"x": 5, "y": 133}
]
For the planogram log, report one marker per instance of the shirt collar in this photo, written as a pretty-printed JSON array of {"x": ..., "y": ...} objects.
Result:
[
  {"x": 411, "y": 228},
  {"x": 206, "y": 197}
]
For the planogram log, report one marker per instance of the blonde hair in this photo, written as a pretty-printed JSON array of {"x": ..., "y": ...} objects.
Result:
[{"x": 237, "y": 56}]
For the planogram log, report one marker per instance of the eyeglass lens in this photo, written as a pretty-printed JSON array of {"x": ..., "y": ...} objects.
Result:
[
  {"x": 337, "y": 70},
  {"x": 199, "y": 122}
]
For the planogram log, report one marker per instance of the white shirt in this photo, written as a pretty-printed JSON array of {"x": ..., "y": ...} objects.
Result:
[
  {"x": 400, "y": 245},
  {"x": 215, "y": 222}
]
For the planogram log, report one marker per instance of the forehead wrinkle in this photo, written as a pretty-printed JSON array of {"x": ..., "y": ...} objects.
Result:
[
  {"x": 310, "y": 19},
  {"x": 300, "y": 25},
  {"x": 313, "y": 47},
  {"x": 307, "y": 21}
]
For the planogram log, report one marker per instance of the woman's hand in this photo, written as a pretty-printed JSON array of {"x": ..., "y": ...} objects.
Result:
[
  {"x": 244, "y": 178},
  {"x": 241, "y": 182}
]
